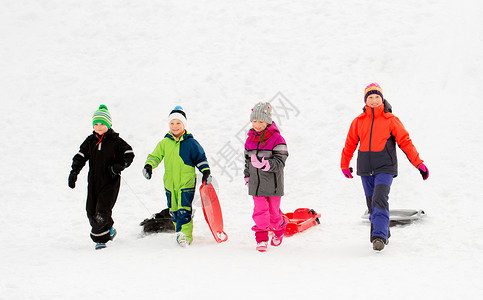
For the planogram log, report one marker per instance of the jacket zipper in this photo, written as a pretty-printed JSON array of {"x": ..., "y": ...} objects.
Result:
[
  {"x": 371, "y": 172},
  {"x": 258, "y": 171},
  {"x": 275, "y": 181},
  {"x": 99, "y": 143}
]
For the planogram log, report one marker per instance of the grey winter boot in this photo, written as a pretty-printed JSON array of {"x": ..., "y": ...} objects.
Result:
[{"x": 378, "y": 243}]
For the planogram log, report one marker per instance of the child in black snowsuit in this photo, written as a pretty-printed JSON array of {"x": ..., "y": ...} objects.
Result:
[{"x": 108, "y": 155}]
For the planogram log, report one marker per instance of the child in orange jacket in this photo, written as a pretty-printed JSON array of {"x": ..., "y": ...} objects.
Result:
[{"x": 378, "y": 130}]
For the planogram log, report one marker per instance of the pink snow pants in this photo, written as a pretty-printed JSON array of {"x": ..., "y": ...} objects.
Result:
[{"x": 267, "y": 215}]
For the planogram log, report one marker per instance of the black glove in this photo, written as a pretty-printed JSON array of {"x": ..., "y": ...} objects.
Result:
[
  {"x": 148, "y": 171},
  {"x": 72, "y": 179},
  {"x": 206, "y": 177},
  {"x": 115, "y": 170}
]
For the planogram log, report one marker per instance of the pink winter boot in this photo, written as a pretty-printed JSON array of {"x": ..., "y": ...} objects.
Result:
[
  {"x": 276, "y": 240},
  {"x": 278, "y": 234},
  {"x": 262, "y": 246},
  {"x": 262, "y": 240}
]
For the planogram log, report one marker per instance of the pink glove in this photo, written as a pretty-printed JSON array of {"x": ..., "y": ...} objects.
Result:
[
  {"x": 424, "y": 171},
  {"x": 247, "y": 179},
  {"x": 348, "y": 172},
  {"x": 263, "y": 165}
]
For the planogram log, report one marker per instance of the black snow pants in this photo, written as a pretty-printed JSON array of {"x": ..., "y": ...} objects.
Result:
[{"x": 100, "y": 203}]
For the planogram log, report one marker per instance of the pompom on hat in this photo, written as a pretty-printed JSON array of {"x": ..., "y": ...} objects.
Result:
[
  {"x": 262, "y": 111},
  {"x": 372, "y": 88},
  {"x": 102, "y": 116},
  {"x": 178, "y": 114}
]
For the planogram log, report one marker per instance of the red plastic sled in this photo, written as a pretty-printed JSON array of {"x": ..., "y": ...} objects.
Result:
[
  {"x": 212, "y": 212},
  {"x": 300, "y": 220}
]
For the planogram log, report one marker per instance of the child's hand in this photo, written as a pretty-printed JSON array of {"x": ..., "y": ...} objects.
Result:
[
  {"x": 207, "y": 178},
  {"x": 263, "y": 165},
  {"x": 115, "y": 170},
  {"x": 348, "y": 172},
  {"x": 72, "y": 179},
  {"x": 424, "y": 171},
  {"x": 148, "y": 171}
]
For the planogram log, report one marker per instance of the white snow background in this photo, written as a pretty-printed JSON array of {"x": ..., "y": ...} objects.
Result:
[{"x": 60, "y": 59}]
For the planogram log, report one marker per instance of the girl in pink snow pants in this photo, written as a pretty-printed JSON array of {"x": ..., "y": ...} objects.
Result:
[{"x": 265, "y": 156}]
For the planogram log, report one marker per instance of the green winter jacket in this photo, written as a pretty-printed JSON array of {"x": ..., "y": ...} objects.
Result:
[{"x": 180, "y": 159}]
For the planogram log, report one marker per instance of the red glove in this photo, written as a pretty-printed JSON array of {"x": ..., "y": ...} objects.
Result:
[{"x": 348, "y": 172}]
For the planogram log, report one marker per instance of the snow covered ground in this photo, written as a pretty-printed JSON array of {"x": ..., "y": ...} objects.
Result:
[{"x": 60, "y": 59}]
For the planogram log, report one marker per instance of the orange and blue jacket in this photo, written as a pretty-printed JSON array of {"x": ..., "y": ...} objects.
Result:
[{"x": 377, "y": 131}]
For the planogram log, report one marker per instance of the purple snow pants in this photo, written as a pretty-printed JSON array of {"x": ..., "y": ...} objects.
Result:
[{"x": 267, "y": 215}]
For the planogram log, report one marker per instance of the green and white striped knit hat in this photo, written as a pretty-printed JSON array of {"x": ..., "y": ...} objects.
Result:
[{"x": 103, "y": 116}]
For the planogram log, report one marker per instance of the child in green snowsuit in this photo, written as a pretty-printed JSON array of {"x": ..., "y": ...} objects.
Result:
[{"x": 181, "y": 154}]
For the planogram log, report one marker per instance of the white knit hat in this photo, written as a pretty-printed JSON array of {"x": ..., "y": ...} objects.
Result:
[{"x": 178, "y": 114}]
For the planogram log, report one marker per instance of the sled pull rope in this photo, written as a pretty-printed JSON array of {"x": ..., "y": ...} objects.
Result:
[{"x": 136, "y": 196}]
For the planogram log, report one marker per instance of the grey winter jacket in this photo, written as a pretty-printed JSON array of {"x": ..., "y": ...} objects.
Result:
[{"x": 266, "y": 183}]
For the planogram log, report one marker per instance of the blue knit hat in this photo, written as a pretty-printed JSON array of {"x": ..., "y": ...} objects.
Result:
[{"x": 103, "y": 116}]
